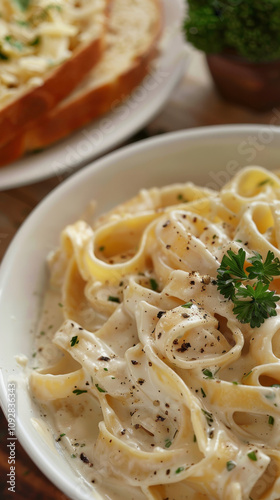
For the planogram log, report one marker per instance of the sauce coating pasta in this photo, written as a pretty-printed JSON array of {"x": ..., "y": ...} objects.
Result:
[{"x": 156, "y": 388}]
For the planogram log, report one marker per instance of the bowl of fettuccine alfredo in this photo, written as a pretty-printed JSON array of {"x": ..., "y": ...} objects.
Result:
[{"x": 141, "y": 310}]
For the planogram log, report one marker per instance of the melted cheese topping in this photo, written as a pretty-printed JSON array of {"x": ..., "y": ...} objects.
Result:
[
  {"x": 149, "y": 398},
  {"x": 37, "y": 35}
]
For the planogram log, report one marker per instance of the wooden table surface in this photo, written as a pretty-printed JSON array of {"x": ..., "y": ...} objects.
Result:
[{"x": 193, "y": 103}]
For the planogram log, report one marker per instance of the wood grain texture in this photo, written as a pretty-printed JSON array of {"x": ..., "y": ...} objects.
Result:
[{"x": 194, "y": 103}]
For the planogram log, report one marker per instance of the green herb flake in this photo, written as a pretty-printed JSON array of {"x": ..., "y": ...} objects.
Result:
[
  {"x": 114, "y": 299},
  {"x": 265, "y": 181},
  {"x": 42, "y": 333},
  {"x": 101, "y": 249},
  {"x": 105, "y": 369},
  {"x": 99, "y": 388},
  {"x": 73, "y": 455},
  {"x": 270, "y": 395},
  {"x": 74, "y": 341},
  {"x": 22, "y": 4},
  {"x": 252, "y": 455},
  {"x": 207, "y": 373},
  {"x": 208, "y": 415},
  {"x": 187, "y": 305},
  {"x": 180, "y": 469},
  {"x": 153, "y": 284},
  {"x": 61, "y": 435},
  {"x": 230, "y": 465},
  {"x": 271, "y": 420},
  {"x": 168, "y": 443},
  {"x": 35, "y": 41},
  {"x": 60, "y": 305},
  {"x": 203, "y": 393},
  {"x": 14, "y": 42},
  {"x": 34, "y": 354},
  {"x": 194, "y": 438},
  {"x": 78, "y": 392}
]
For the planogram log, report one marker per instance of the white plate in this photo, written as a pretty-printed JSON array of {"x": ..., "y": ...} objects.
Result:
[
  {"x": 208, "y": 156},
  {"x": 105, "y": 134}
]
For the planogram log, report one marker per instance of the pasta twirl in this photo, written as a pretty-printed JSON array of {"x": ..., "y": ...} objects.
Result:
[{"x": 159, "y": 391}]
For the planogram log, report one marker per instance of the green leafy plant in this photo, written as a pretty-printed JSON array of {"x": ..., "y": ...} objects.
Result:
[
  {"x": 248, "y": 287},
  {"x": 248, "y": 28}
]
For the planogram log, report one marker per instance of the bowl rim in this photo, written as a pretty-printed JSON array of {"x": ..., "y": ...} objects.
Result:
[{"x": 146, "y": 145}]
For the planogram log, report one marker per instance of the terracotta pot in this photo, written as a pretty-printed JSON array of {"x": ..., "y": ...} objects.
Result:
[{"x": 256, "y": 85}]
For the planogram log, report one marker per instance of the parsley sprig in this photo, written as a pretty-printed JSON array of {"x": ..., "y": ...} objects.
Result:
[{"x": 248, "y": 287}]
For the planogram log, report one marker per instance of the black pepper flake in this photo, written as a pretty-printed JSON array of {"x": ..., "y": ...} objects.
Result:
[
  {"x": 84, "y": 458},
  {"x": 168, "y": 247},
  {"x": 184, "y": 347},
  {"x": 103, "y": 358},
  {"x": 160, "y": 418},
  {"x": 185, "y": 315},
  {"x": 134, "y": 362},
  {"x": 166, "y": 223},
  {"x": 159, "y": 335},
  {"x": 176, "y": 341},
  {"x": 192, "y": 282},
  {"x": 160, "y": 314},
  {"x": 141, "y": 381}
]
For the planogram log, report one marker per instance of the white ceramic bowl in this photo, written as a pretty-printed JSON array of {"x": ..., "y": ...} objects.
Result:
[{"x": 208, "y": 156}]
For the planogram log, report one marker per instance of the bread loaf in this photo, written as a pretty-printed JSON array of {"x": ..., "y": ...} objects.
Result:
[
  {"x": 134, "y": 28},
  {"x": 46, "y": 49}
]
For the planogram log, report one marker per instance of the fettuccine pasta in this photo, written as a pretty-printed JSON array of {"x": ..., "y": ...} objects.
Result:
[{"x": 156, "y": 390}]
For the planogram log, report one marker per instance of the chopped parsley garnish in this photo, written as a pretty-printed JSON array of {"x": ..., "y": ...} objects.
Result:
[
  {"x": 14, "y": 42},
  {"x": 99, "y": 388},
  {"x": 203, "y": 393},
  {"x": 79, "y": 391},
  {"x": 253, "y": 302},
  {"x": 187, "y": 305},
  {"x": 265, "y": 181},
  {"x": 35, "y": 41},
  {"x": 60, "y": 305},
  {"x": 168, "y": 443},
  {"x": 73, "y": 455},
  {"x": 154, "y": 284},
  {"x": 252, "y": 455},
  {"x": 230, "y": 465},
  {"x": 207, "y": 373},
  {"x": 271, "y": 420},
  {"x": 74, "y": 341},
  {"x": 180, "y": 469},
  {"x": 61, "y": 435},
  {"x": 208, "y": 415},
  {"x": 113, "y": 299},
  {"x": 23, "y": 4}
]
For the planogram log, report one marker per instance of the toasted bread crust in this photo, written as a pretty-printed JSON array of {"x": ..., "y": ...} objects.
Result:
[
  {"x": 58, "y": 84},
  {"x": 76, "y": 113}
]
